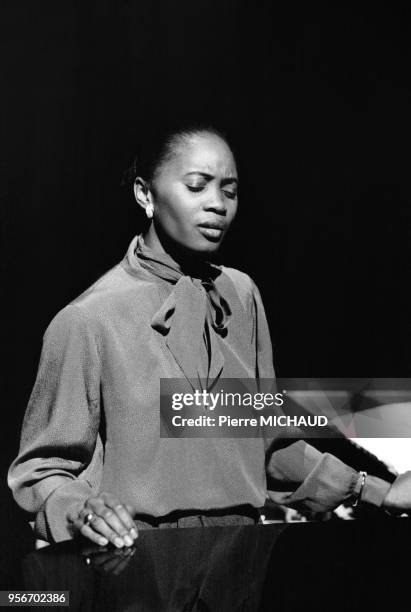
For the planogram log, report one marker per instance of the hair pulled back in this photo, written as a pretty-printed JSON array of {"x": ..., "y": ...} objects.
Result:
[{"x": 160, "y": 146}]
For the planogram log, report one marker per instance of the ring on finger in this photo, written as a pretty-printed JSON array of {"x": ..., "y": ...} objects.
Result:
[{"x": 88, "y": 518}]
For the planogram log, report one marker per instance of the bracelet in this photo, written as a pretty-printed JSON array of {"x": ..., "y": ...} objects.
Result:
[{"x": 358, "y": 493}]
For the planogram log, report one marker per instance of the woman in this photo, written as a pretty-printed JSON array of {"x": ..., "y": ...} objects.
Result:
[{"x": 91, "y": 460}]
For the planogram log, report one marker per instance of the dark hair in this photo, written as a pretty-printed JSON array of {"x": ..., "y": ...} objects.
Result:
[{"x": 160, "y": 147}]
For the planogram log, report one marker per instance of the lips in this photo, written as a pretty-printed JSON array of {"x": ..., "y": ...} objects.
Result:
[
  {"x": 219, "y": 225},
  {"x": 212, "y": 230}
]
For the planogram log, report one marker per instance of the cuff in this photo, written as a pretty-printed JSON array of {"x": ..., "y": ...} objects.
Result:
[
  {"x": 330, "y": 484},
  {"x": 52, "y": 521}
]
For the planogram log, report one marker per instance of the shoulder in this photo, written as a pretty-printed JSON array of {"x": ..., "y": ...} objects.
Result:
[
  {"x": 243, "y": 283},
  {"x": 111, "y": 293},
  {"x": 245, "y": 286},
  {"x": 240, "y": 279},
  {"x": 113, "y": 284},
  {"x": 71, "y": 323},
  {"x": 82, "y": 312}
]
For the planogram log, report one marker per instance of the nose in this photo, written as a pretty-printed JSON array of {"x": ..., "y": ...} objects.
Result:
[{"x": 216, "y": 203}]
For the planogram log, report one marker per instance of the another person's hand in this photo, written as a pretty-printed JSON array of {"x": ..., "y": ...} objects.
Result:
[
  {"x": 398, "y": 498},
  {"x": 105, "y": 519}
]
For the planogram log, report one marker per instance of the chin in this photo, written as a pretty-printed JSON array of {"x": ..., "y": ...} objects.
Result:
[{"x": 206, "y": 247}]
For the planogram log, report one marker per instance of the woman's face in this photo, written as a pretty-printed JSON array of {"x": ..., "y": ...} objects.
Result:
[{"x": 195, "y": 193}]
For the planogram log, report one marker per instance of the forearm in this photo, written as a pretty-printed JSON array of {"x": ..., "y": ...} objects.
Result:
[
  {"x": 54, "y": 520},
  {"x": 54, "y": 488},
  {"x": 318, "y": 481}
]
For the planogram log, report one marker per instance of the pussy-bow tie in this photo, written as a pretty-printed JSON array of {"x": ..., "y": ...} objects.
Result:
[{"x": 189, "y": 314}]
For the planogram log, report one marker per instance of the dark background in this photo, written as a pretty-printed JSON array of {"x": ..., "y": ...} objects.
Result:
[{"x": 319, "y": 105}]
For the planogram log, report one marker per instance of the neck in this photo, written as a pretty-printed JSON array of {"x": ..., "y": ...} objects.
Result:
[{"x": 159, "y": 242}]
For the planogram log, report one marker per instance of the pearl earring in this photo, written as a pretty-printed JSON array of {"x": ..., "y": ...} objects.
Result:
[{"x": 149, "y": 212}]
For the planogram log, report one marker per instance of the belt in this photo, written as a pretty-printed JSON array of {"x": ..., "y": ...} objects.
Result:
[{"x": 235, "y": 515}]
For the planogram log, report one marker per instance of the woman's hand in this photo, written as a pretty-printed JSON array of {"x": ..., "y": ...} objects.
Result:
[
  {"x": 398, "y": 498},
  {"x": 105, "y": 519}
]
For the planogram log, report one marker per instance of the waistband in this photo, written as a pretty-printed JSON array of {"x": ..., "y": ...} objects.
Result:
[{"x": 192, "y": 518}]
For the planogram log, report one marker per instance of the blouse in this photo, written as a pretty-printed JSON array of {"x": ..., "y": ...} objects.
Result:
[{"x": 92, "y": 422}]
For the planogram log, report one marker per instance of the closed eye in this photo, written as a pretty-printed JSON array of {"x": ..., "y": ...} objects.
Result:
[
  {"x": 230, "y": 194},
  {"x": 195, "y": 189}
]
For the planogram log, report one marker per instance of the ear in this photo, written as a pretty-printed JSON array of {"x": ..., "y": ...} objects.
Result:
[{"x": 143, "y": 196}]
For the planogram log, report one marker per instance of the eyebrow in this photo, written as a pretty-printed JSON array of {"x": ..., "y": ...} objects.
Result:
[{"x": 209, "y": 177}]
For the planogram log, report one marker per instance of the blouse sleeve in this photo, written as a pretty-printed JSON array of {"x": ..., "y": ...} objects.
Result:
[
  {"x": 261, "y": 337},
  {"x": 298, "y": 474},
  {"x": 60, "y": 458},
  {"x": 302, "y": 477}
]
